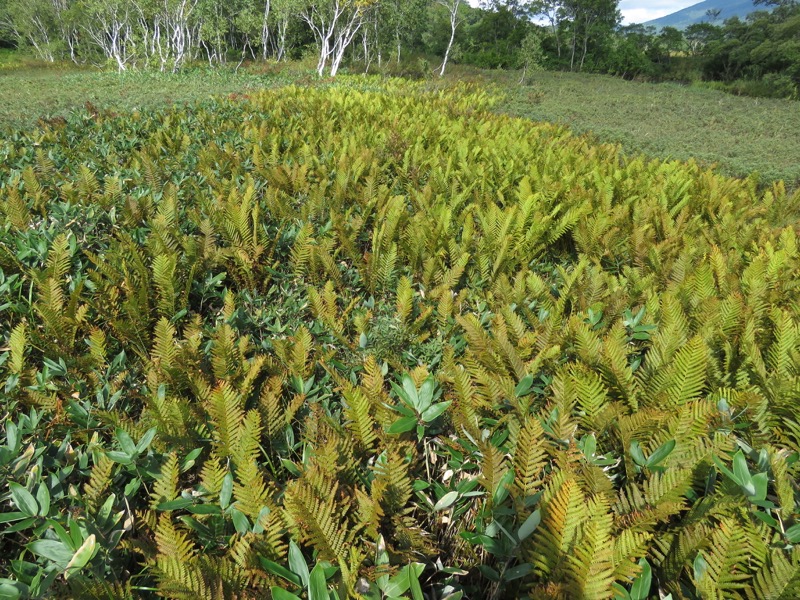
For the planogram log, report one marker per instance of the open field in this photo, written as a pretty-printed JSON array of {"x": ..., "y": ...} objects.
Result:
[
  {"x": 739, "y": 134},
  {"x": 373, "y": 341},
  {"x": 29, "y": 94}
]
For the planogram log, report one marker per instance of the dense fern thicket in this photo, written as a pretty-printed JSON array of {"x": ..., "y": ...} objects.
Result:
[{"x": 369, "y": 341}]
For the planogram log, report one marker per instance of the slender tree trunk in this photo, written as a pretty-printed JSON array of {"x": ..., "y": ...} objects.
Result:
[
  {"x": 453, "y": 8},
  {"x": 265, "y": 30}
]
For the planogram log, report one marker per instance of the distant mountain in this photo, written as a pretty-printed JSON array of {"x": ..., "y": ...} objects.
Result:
[{"x": 697, "y": 13}]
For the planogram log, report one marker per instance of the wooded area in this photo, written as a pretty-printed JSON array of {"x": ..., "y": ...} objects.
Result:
[{"x": 575, "y": 35}]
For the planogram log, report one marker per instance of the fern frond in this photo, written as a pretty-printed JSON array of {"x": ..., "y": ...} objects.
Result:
[{"x": 165, "y": 487}]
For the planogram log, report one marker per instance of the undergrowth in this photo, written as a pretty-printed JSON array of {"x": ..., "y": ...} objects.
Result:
[{"x": 370, "y": 341}]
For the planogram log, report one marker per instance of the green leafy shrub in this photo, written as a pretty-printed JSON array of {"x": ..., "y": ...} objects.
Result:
[{"x": 368, "y": 340}]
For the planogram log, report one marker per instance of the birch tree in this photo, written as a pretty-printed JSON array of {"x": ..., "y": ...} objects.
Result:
[
  {"x": 452, "y": 7},
  {"x": 335, "y": 24}
]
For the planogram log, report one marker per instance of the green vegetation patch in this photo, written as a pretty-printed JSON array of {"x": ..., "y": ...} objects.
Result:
[
  {"x": 741, "y": 135},
  {"x": 30, "y": 93},
  {"x": 363, "y": 341}
]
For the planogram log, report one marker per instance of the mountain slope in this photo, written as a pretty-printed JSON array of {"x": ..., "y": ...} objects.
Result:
[{"x": 697, "y": 13}]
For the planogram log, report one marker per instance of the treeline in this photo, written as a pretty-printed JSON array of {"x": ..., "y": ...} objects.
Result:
[
  {"x": 757, "y": 56},
  {"x": 165, "y": 34},
  {"x": 760, "y": 55}
]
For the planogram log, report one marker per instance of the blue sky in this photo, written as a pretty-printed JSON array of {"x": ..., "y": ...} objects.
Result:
[
  {"x": 636, "y": 11},
  {"x": 639, "y": 11}
]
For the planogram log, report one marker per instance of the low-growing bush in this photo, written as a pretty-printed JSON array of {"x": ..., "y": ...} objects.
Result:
[{"x": 365, "y": 340}]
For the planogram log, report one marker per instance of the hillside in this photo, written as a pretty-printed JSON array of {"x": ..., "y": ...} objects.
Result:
[{"x": 697, "y": 13}]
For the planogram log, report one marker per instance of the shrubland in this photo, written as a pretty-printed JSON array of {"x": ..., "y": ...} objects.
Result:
[{"x": 362, "y": 340}]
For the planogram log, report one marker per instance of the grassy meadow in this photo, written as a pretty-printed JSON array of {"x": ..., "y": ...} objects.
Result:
[
  {"x": 379, "y": 339},
  {"x": 740, "y": 135}
]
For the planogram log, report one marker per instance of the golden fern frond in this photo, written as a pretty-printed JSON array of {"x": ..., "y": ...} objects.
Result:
[
  {"x": 629, "y": 546},
  {"x": 15, "y": 208},
  {"x": 686, "y": 377},
  {"x": 562, "y": 517},
  {"x": 97, "y": 347},
  {"x": 165, "y": 349},
  {"x": 778, "y": 578},
  {"x": 493, "y": 467},
  {"x": 226, "y": 409},
  {"x": 165, "y": 487},
  {"x": 320, "y": 516},
  {"x": 164, "y": 281},
  {"x": 727, "y": 559},
  {"x": 172, "y": 543},
  {"x": 225, "y": 355},
  {"x": 591, "y": 395},
  {"x": 17, "y": 344},
  {"x": 529, "y": 460},
  {"x": 392, "y": 486},
  {"x": 360, "y": 421},
  {"x": 591, "y": 560},
  {"x": 59, "y": 258},
  {"x": 404, "y": 304},
  {"x": 211, "y": 477},
  {"x": 99, "y": 480},
  {"x": 271, "y": 407},
  {"x": 779, "y": 355}
]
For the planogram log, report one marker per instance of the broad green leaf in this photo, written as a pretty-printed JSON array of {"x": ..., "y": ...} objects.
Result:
[
  {"x": 43, "y": 498},
  {"x": 637, "y": 455},
  {"x": 700, "y": 566},
  {"x": 503, "y": 486},
  {"x": 445, "y": 501},
  {"x": 434, "y": 412},
  {"x": 281, "y": 594},
  {"x": 23, "y": 499},
  {"x": 402, "y": 425},
  {"x": 759, "y": 482},
  {"x": 297, "y": 563},
  {"x": 766, "y": 518},
  {"x": 204, "y": 509},
  {"x": 52, "y": 550},
  {"x": 640, "y": 590},
  {"x": 414, "y": 586},
  {"x": 119, "y": 457},
  {"x": 517, "y": 572},
  {"x": 146, "y": 440},
  {"x": 12, "y": 516},
  {"x": 589, "y": 445},
  {"x": 524, "y": 386},
  {"x": 400, "y": 582},
  {"x": 125, "y": 442},
  {"x": 177, "y": 504},
  {"x": 530, "y": 525},
  {"x": 426, "y": 393},
  {"x": 240, "y": 521},
  {"x": 661, "y": 453},
  {"x": 82, "y": 556},
  {"x": 12, "y": 590},
  {"x": 411, "y": 393},
  {"x": 317, "y": 587},
  {"x": 726, "y": 471},
  {"x": 793, "y": 534},
  {"x": 741, "y": 471},
  {"x": 620, "y": 593},
  {"x": 280, "y": 571},
  {"x": 226, "y": 491}
]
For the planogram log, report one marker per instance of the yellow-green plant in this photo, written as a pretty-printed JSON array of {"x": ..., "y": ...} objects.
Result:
[{"x": 376, "y": 329}]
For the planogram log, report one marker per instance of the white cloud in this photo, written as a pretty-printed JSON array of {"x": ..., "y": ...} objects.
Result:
[
  {"x": 637, "y": 11},
  {"x": 634, "y": 12}
]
